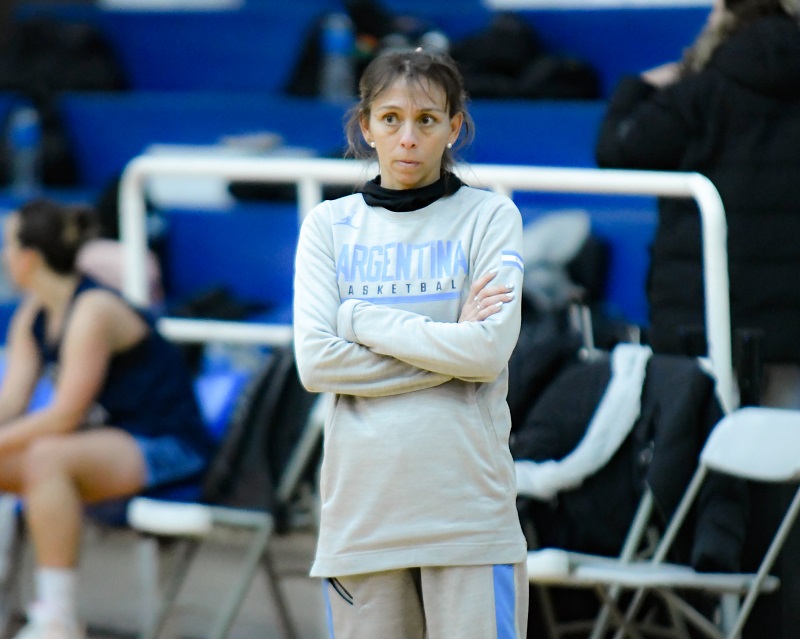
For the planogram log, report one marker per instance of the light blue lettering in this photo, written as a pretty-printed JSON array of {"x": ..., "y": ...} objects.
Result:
[
  {"x": 404, "y": 259},
  {"x": 460, "y": 261},
  {"x": 374, "y": 268},
  {"x": 444, "y": 258},
  {"x": 389, "y": 250},
  {"x": 441, "y": 260},
  {"x": 343, "y": 264},
  {"x": 420, "y": 255},
  {"x": 360, "y": 256}
]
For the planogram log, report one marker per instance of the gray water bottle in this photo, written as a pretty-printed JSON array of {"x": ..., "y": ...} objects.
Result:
[
  {"x": 24, "y": 150},
  {"x": 337, "y": 71}
]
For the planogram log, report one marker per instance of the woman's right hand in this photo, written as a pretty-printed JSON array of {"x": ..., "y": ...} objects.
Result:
[{"x": 485, "y": 300}]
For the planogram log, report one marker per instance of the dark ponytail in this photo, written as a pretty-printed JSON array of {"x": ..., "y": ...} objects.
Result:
[{"x": 57, "y": 231}]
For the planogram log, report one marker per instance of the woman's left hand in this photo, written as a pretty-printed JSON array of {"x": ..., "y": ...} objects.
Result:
[{"x": 484, "y": 300}]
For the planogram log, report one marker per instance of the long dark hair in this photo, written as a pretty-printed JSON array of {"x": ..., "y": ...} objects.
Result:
[
  {"x": 56, "y": 230},
  {"x": 414, "y": 65},
  {"x": 737, "y": 15}
]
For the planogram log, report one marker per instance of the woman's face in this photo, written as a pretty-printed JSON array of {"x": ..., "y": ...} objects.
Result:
[
  {"x": 15, "y": 257},
  {"x": 411, "y": 128}
]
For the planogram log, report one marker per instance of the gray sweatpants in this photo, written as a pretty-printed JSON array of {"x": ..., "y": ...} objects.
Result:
[{"x": 463, "y": 602}]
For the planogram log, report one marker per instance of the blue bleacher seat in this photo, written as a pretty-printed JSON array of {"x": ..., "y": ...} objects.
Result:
[
  {"x": 255, "y": 47},
  {"x": 541, "y": 133},
  {"x": 107, "y": 130},
  {"x": 249, "y": 249},
  {"x": 251, "y": 49},
  {"x": 619, "y": 41}
]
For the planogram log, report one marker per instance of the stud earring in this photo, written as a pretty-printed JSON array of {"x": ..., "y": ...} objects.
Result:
[
  {"x": 372, "y": 144},
  {"x": 449, "y": 145}
]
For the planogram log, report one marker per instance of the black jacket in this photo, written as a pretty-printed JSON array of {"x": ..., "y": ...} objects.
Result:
[
  {"x": 678, "y": 411},
  {"x": 738, "y": 123}
]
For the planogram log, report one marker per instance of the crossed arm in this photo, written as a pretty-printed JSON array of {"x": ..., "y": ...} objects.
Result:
[{"x": 359, "y": 348}]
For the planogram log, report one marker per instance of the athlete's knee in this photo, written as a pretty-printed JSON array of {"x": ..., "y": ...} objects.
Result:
[{"x": 44, "y": 457}]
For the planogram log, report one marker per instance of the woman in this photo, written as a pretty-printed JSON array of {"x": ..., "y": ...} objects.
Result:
[
  {"x": 731, "y": 111},
  {"x": 123, "y": 418},
  {"x": 404, "y": 310}
]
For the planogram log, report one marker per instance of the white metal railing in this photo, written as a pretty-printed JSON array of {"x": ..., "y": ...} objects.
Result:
[{"x": 311, "y": 174}]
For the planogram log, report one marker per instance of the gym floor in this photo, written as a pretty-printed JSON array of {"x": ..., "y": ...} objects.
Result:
[{"x": 110, "y": 601}]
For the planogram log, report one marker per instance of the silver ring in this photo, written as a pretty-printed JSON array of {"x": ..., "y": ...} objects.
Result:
[{"x": 477, "y": 301}]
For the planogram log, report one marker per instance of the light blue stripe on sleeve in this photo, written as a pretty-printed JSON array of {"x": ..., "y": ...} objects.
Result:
[
  {"x": 328, "y": 613},
  {"x": 505, "y": 601},
  {"x": 512, "y": 258}
]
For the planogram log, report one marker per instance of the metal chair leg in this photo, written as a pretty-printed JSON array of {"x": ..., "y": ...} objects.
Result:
[
  {"x": 273, "y": 585},
  {"x": 236, "y": 597},
  {"x": 181, "y": 560}
]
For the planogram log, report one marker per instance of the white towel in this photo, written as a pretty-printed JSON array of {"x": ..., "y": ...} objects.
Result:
[{"x": 612, "y": 421}]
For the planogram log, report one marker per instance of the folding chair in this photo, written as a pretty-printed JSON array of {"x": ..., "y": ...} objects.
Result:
[
  {"x": 554, "y": 567},
  {"x": 242, "y": 494},
  {"x": 754, "y": 444},
  {"x": 609, "y": 427}
]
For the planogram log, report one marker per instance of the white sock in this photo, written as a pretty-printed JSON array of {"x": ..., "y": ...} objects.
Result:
[{"x": 56, "y": 591}]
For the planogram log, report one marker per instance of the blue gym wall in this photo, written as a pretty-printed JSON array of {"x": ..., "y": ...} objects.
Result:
[{"x": 198, "y": 76}]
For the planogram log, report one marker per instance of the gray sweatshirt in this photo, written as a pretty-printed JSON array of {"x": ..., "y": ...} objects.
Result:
[{"x": 416, "y": 468}]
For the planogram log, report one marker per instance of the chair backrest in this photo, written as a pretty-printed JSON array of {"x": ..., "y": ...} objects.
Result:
[
  {"x": 756, "y": 443},
  {"x": 752, "y": 443},
  {"x": 268, "y": 419},
  {"x": 218, "y": 393}
]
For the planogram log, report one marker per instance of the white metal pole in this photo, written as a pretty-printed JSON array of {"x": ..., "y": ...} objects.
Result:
[
  {"x": 309, "y": 194},
  {"x": 133, "y": 235},
  {"x": 716, "y": 286},
  {"x": 310, "y": 174},
  {"x": 201, "y": 330}
]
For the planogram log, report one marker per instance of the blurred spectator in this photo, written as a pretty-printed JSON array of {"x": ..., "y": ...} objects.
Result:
[
  {"x": 730, "y": 109},
  {"x": 123, "y": 418}
]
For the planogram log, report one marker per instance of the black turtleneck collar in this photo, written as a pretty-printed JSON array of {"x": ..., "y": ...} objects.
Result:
[{"x": 403, "y": 200}]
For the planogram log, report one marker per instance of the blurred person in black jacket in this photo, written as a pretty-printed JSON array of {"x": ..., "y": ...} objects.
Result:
[{"x": 730, "y": 109}]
